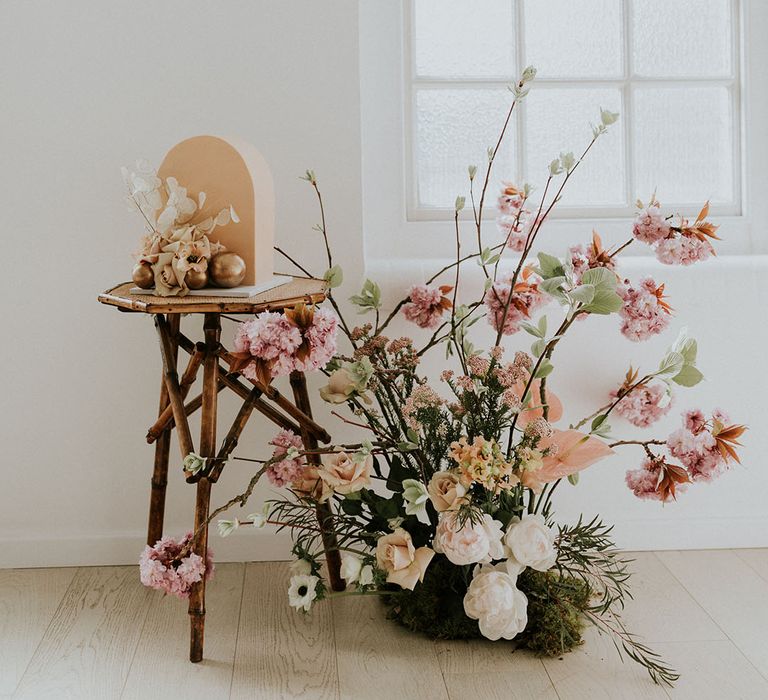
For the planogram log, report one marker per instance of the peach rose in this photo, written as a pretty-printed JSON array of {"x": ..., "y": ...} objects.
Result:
[
  {"x": 311, "y": 485},
  {"x": 405, "y": 565},
  {"x": 445, "y": 491},
  {"x": 345, "y": 475}
]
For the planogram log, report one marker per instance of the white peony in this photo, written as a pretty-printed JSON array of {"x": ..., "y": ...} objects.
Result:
[
  {"x": 470, "y": 544},
  {"x": 301, "y": 591},
  {"x": 351, "y": 565},
  {"x": 531, "y": 542},
  {"x": 494, "y": 600}
]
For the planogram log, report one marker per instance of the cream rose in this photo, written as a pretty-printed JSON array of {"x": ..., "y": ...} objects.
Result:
[
  {"x": 531, "y": 542},
  {"x": 494, "y": 600},
  {"x": 445, "y": 491},
  {"x": 343, "y": 474},
  {"x": 339, "y": 388},
  {"x": 405, "y": 565},
  {"x": 470, "y": 543}
]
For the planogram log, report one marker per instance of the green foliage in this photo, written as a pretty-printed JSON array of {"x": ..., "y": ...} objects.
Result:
[
  {"x": 556, "y": 605},
  {"x": 435, "y": 607},
  {"x": 369, "y": 297},
  {"x": 334, "y": 276}
]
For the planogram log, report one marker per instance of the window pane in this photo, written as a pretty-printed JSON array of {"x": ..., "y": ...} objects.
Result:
[
  {"x": 453, "y": 130},
  {"x": 566, "y": 39},
  {"x": 464, "y": 39},
  {"x": 684, "y": 38},
  {"x": 682, "y": 141},
  {"x": 559, "y": 120}
]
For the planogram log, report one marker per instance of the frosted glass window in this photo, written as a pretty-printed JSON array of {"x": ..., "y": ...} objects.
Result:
[
  {"x": 682, "y": 141},
  {"x": 445, "y": 146},
  {"x": 558, "y": 120},
  {"x": 460, "y": 38},
  {"x": 669, "y": 64},
  {"x": 685, "y": 38},
  {"x": 580, "y": 39}
]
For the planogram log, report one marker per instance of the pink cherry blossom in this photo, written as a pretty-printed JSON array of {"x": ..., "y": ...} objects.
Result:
[
  {"x": 645, "y": 313},
  {"x": 644, "y": 481},
  {"x": 526, "y": 300},
  {"x": 650, "y": 225},
  {"x": 161, "y": 569},
  {"x": 272, "y": 337},
  {"x": 644, "y": 405},
  {"x": 426, "y": 306},
  {"x": 682, "y": 250},
  {"x": 288, "y": 470},
  {"x": 515, "y": 229}
]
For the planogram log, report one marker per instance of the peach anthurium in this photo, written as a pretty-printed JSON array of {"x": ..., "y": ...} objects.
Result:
[
  {"x": 575, "y": 451},
  {"x": 535, "y": 409}
]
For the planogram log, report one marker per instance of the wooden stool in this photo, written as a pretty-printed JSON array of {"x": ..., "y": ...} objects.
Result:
[{"x": 295, "y": 416}]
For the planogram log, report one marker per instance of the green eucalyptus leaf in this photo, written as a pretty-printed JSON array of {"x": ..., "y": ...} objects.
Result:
[
  {"x": 671, "y": 364},
  {"x": 334, "y": 276},
  {"x": 688, "y": 376},
  {"x": 584, "y": 293},
  {"x": 606, "y": 301}
]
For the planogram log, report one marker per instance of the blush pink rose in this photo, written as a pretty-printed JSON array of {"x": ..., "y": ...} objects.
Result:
[
  {"x": 405, "y": 565},
  {"x": 344, "y": 474},
  {"x": 472, "y": 542}
]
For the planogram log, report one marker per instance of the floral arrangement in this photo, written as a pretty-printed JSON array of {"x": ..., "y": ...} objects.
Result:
[
  {"x": 177, "y": 250},
  {"x": 444, "y": 507}
]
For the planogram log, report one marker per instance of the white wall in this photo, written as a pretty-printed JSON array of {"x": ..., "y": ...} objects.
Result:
[
  {"x": 86, "y": 87},
  {"x": 722, "y": 302},
  {"x": 89, "y": 86}
]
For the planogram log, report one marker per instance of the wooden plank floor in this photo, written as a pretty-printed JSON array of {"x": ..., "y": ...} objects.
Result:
[{"x": 97, "y": 633}]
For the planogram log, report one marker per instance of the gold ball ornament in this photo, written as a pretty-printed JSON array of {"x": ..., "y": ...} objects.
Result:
[
  {"x": 195, "y": 279},
  {"x": 143, "y": 276},
  {"x": 226, "y": 269}
]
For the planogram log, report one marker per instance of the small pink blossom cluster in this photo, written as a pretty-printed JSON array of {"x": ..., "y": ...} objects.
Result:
[
  {"x": 644, "y": 481},
  {"x": 273, "y": 338},
  {"x": 161, "y": 569},
  {"x": 526, "y": 300},
  {"x": 426, "y": 305},
  {"x": 683, "y": 244},
  {"x": 584, "y": 259},
  {"x": 682, "y": 250},
  {"x": 478, "y": 365},
  {"x": 289, "y": 469},
  {"x": 645, "y": 313},
  {"x": 514, "y": 221},
  {"x": 321, "y": 336},
  {"x": 696, "y": 448},
  {"x": 422, "y": 396},
  {"x": 650, "y": 225},
  {"x": 643, "y": 406},
  {"x": 512, "y": 373}
]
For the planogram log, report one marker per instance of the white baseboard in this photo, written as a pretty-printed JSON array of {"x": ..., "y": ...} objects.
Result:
[
  {"x": 263, "y": 545},
  {"x": 124, "y": 548}
]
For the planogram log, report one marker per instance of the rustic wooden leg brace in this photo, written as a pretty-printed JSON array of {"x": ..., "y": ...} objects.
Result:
[
  {"x": 162, "y": 451},
  {"x": 212, "y": 331},
  {"x": 324, "y": 518}
]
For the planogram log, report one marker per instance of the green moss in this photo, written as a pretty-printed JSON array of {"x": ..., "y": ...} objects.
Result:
[
  {"x": 435, "y": 608},
  {"x": 555, "y": 611}
]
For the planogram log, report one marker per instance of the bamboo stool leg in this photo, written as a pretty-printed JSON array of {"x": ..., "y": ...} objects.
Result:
[
  {"x": 324, "y": 519},
  {"x": 162, "y": 451},
  {"x": 212, "y": 331}
]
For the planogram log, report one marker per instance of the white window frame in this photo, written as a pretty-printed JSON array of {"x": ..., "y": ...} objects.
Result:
[
  {"x": 625, "y": 85},
  {"x": 395, "y": 228}
]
